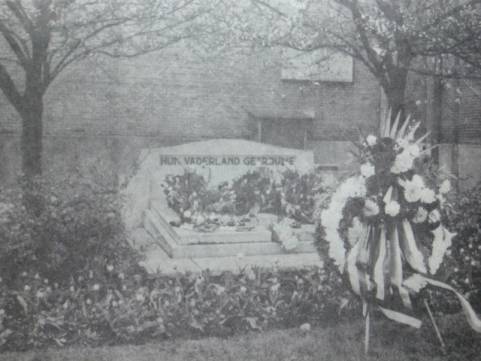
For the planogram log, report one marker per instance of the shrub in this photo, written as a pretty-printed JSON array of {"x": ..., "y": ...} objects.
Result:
[
  {"x": 464, "y": 217},
  {"x": 77, "y": 226},
  {"x": 111, "y": 307}
]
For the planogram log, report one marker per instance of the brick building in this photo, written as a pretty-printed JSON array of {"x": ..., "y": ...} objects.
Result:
[{"x": 103, "y": 111}]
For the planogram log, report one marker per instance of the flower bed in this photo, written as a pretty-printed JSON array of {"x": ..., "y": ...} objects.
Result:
[{"x": 112, "y": 308}]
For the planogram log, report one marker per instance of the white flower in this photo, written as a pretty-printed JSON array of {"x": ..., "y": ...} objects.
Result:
[
  {"x": 88, "y": 301},
  {"x": 24, "y": 274},
  {"x": 121, "y": 275},
  {"x": 96, "y": 287},
  {"x": 402, "y": 143},
  {"x": 392, "y": 208},
  {"x": 371, "y": 208},
  {"x": 421, "y": 215},
  {"x": 415, "y": 283},
  {"x": 413, "y": 188},
  {"x": 428, "y": 196},
  {"x": 402, "y": 163},
  {"x": 27, "y": 288},
  {"x": 243, "y": 289},
  {"x": 285, "y": 235},
  {"x": 434, "y": 216},
  {"x": 367, "y": 170},
  {"x": 306, "y": 327},
  {"x": 330, "y": 217},
  {"x": 140, "y": 297},
  {"x": 445, "y": 186},
  {"x": 72, "y": 289},
  {"x": 371, "y": 140},
  {"x": 414, "y": 150},
  {"x": 110, "y": 268},
  {"x": 187, "y": 214}
]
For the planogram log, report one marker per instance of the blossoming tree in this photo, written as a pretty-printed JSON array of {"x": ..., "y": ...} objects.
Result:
[
  {"x": 388, "y": 36},
  {"x": 41, "y": 38}
]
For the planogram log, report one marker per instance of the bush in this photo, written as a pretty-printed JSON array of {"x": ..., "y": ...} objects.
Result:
[
  {"x": 111, "y": 307},
  {"x": 76, "y": 226},
  {"x": 464, "y": 217}
]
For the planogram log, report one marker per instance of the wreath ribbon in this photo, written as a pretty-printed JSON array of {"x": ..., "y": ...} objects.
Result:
[{"x": 375, "y": 263}]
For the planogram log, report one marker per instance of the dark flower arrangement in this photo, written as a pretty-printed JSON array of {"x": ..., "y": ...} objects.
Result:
[{"x": 289, "y": 194}]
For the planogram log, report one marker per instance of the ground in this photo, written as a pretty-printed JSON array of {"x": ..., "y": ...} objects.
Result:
[{"x": 342, "y": 342}]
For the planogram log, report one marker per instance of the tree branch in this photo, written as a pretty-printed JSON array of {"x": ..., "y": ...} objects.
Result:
[{"x": 10, "y": 90}]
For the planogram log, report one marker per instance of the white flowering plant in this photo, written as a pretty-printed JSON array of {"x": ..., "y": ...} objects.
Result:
[{"x": 384, "y": 226}]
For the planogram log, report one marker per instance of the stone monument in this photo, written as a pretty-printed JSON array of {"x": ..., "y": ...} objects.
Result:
[{"x": 149, "y": 219}]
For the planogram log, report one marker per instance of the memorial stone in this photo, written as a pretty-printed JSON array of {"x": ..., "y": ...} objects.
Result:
[{"x": 146, "y": 211}]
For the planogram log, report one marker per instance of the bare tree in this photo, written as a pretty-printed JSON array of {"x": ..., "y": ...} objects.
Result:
[{"x": 44, "y": 37}]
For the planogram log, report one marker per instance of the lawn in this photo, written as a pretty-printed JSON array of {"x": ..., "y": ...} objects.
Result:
[{"x": 390, "y": 342}]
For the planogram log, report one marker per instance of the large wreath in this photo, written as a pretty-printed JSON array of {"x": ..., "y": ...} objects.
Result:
[{"x": 384, "y": 225}]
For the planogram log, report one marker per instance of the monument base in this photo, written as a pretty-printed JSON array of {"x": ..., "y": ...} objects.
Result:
[{"x": 158, "y": 261}]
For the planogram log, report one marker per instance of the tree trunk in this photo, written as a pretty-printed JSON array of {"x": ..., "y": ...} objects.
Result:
[
  {"x": 437, "y": 117},
  {"x": 31, "y": 146},
  {"x": 395, "y": 94},
  {"x": 31, "y": 141}
]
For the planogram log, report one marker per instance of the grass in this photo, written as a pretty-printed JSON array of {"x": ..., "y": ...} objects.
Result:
[{"x": 390, "y": 342}]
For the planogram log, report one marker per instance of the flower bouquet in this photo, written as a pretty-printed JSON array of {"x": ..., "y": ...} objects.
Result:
[{"x": 384, "y": 225}]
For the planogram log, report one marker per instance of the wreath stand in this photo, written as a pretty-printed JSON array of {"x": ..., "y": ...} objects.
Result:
[{"x": 367, "y": 327}]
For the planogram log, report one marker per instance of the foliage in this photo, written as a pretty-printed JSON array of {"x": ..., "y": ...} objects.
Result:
[
  {"x": 109, "y": 306},
  {"x": 77, "y": 226},
  {"x": 464, "y": 217}
]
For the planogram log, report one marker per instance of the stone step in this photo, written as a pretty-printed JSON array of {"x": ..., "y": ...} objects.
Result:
[{"x": 158, "y": 261}]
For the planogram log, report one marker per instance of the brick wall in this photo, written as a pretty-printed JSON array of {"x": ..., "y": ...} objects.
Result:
[{"x": 110, "y": 109}]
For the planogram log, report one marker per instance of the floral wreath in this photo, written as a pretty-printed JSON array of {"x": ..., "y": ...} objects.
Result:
[{"x": 393, "y": 241}]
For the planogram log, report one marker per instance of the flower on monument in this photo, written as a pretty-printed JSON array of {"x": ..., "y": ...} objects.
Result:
[
  {"x": 403, "y": 162},
  {"x": 371, "y": 140},
  {"x": 371, "y": 208},
  {"x": 392, "y": 208},
  {"x": 428, "y": 196},
  {"x": 445, "y": 186},
  {"x": 367, "y": 170},
  {"x": 421, "y": 215}
]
